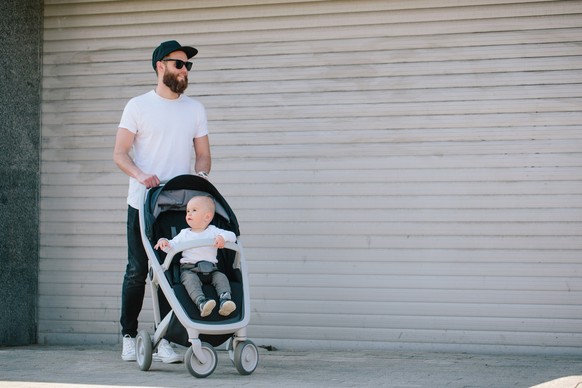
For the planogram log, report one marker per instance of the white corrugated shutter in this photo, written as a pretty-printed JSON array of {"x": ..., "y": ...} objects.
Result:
[{"x": 405, "y": 173}]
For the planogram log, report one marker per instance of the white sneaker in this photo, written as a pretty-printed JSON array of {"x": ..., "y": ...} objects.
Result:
[
  {"x": 166, "y": 354},
  {"x": 206, "y": 307},
  {"x": 128, "y": 352},
  {"x": 226, "y": 307}
]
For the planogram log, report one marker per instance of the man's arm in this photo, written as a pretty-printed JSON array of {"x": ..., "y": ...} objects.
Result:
[
  {"x": 123, "y": 143},
  {"x": 202, "y": 149}
]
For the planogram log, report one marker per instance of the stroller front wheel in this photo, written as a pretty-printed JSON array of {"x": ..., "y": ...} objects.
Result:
[
  {"x": 246, "y": 357},
  {"x": 195, "y": 367},
  {"x": 143, "y": 350}
]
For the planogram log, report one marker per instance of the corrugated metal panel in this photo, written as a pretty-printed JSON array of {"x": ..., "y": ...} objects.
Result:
[{"x": 405, "y": 173}]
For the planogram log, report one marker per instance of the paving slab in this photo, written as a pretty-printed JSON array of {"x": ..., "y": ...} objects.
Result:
[{"x": 101, "y": 366}]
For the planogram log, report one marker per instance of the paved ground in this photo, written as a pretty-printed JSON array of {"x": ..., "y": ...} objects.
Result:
[{"x": 101, "y": 366}]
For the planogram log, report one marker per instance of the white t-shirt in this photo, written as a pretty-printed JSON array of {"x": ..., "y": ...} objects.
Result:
[
  {"x": 165, "y": 131},
  {"x": 194, "y": 255}
]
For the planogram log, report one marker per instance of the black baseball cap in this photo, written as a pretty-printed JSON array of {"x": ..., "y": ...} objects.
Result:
[{"x": 169, "y": 47}]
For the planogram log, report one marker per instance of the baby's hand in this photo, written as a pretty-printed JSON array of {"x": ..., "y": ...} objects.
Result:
[
  {"x": 219, "y": 242},
  {"x": 162, "y": 244}
]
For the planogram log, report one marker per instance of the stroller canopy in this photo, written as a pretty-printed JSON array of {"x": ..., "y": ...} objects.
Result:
[{"x": 175, "y": 195}]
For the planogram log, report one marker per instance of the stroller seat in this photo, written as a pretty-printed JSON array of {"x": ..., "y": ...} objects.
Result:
[{"x": 168, "y": 225}]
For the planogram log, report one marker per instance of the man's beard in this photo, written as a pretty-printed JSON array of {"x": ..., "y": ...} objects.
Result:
[{"x": 176, "y": 86}]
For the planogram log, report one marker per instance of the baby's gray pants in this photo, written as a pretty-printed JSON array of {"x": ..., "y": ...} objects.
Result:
[{"x": 193, "y": 284}]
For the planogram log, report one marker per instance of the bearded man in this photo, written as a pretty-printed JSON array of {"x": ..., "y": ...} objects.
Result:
[{"x": 163, "y": 130}]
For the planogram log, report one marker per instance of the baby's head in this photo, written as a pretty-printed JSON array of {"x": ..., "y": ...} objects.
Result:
[{"x": 199, "y": 212}]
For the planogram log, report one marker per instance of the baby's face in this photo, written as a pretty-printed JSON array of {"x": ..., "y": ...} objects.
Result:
[{"x": 198, "y": 215}]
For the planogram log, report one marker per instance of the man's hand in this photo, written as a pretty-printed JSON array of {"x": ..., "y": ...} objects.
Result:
[
  {"x": 149, "y": 181},
  {"x": 202, "y": 174}
]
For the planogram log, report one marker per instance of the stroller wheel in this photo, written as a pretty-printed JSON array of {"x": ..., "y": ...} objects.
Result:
[
  {"x": 246, "y": 357},
  {"x": 195, "y": 367},
  {"x": 143, "y": 350}
]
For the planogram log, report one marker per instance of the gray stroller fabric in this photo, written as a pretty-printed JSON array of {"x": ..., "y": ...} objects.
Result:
[{"x": 178, "y": 199}]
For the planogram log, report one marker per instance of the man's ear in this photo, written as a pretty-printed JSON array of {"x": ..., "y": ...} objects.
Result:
[{"x": 159, "y": 67}]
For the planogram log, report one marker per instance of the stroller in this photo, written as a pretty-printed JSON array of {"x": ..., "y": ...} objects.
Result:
[{"x": 176, "y": 316}]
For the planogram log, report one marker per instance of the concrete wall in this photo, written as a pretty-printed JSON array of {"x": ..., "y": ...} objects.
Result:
[{"x": 20, "y": 92}]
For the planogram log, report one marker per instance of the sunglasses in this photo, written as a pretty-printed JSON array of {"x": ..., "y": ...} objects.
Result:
[{"x": 179, "y": 63}]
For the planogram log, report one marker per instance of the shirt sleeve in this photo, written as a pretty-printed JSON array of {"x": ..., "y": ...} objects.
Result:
[
  {"x": 227, "y": 235},
  {"x": 180, "y": 237},
  {"x": 128, "y": 118},
  {"x": 202, "y": 129}
]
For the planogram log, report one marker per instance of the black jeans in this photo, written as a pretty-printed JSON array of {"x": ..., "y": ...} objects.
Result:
[{"x": 134, "y": 281}]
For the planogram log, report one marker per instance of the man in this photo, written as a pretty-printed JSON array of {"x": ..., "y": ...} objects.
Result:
[{"x": 163, "y": 128}]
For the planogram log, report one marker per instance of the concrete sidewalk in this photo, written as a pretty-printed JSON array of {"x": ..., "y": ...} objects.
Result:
[{"x": 101, "y": 366}]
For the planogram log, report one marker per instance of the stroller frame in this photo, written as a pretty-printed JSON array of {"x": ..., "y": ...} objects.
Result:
[{"x": 200, "y": 358}]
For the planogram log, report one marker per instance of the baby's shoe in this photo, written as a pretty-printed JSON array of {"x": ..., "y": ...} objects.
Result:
[
  {"x": 205, "y": 306},
  {"x": 227, "y": 306}
]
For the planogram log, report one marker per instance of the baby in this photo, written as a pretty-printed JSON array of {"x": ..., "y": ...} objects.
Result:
[{"x": 199, "y": 214}]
